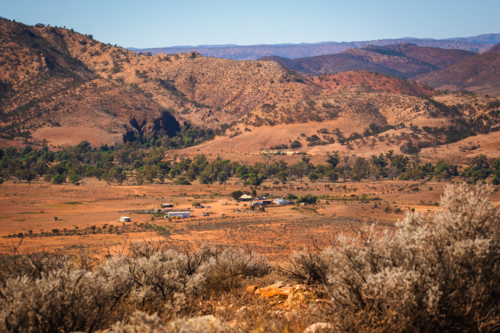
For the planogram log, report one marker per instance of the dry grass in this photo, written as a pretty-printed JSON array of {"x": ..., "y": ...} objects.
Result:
[{"x": 427, "y": 275}]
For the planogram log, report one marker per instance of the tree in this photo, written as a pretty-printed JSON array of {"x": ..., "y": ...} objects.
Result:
[
  {"x": 267, "y": 158},
  {"x": 299, "y": 169},
  {"x": 57, "y": 179},
  {"x": 333, "y": 175},
  {"x": 121, "y": 177},
  {"x": 236, "y": 195},
  {"x": 222, "y": 177},
  {"x": 282, "y": 176},
  {"x": 409, "y": 148},
  {"x": 307, "y": 198},
  {"x": 74, "y": 179},
  {"x": 242, "y": 172},
  {"x": 313, "y": 176},
  {"x": 41, "y": 167},
  {"x": 205, "y": 178},
  {"x": 360, "y": 169},
  {"x": 333, "y": 159},
  {"x": 29, "y": 175},
  {"x": 181, "y": 181},
  {"x": 255, "y": 178}
]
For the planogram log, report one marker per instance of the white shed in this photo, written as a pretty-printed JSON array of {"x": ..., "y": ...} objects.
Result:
[
  {"x": 256, "y": 203},
  {"x": 179, "y": 214},
  {"x": 281, "y": 202},
  {"x": 125, "y": 219},
  {"x": 246, "y": 197}
]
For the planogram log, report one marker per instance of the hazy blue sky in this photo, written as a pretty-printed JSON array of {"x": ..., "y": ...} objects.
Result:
[{"x": 154, "y": 23}]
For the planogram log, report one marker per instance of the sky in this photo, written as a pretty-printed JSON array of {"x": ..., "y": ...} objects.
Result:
[{"x": 157, "y": 23}]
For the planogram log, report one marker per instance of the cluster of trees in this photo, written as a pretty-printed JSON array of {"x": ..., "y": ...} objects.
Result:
[
  {"x": 184, "y": 138},
  {"x": 116, "y": 163}
]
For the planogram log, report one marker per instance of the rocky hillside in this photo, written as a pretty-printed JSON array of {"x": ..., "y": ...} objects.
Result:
[
  {"x": 403, "y": 60},
  {"x": 363, "y": 81},
  {"x": 440, "y": 58},
  {"x": 63, "y": 86},
  {"x": 53, "y": 77}
]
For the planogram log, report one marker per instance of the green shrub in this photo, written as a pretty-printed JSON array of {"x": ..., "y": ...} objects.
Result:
[
  {"x": 307, "y": 198},
  {"x": 57, "y": 179},
  {"x": 181, "y": 181}
]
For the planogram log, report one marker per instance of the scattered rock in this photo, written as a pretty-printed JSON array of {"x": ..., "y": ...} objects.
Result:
[
  {"x": 319, "y": 327},
  {"x": 285, "y": 296}
]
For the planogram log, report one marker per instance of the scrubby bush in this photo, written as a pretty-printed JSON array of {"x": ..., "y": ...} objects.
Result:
[
  {"x": 144, "y": 323},
  {"x": 307, "y": 198},
  {"x": 226, "y": 269},
  {"x": 182, "y": 181},
  {"x": 423, "y": 277},
  {"x": 50, "y": 293}
]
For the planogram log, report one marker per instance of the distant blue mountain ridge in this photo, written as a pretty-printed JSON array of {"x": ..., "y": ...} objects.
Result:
[{"x": 477, "y": 44}]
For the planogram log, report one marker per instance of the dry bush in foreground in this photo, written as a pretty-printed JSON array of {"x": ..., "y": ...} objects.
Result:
[
  {"x": 65, "y": 298},
  {"x": 439, "y": 275}
]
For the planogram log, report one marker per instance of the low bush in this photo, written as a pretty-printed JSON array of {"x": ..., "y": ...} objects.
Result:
[
  {"x": 49, "y": 293},
  {"x": 422, "y": 277}
]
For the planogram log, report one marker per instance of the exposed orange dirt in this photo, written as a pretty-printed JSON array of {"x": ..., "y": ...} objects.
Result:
[{"x": 276, "y": 232}]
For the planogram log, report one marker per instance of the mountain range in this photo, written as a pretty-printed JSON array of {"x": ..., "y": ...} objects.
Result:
[
  {"x": 403, "y": 60},
  {"x": 476, "y": 44},
  {"x": 444, "y": 69},
  {"x": 62, "y": 86}
]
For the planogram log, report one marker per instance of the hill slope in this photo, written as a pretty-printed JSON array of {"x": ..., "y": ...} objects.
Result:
[
  {"x": 495, "y": 48},
  {"x": 62, "y": 86},
  {"x": 403, "y": 60},
  {"x": 53, "y": 77},
  {"x": 362, "y": 81},
  {"x": 480, "y": 73},
  {"x": 440, "y": 58}
]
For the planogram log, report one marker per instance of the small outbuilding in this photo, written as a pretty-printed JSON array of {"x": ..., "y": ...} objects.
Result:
[
  {"x": 281, "y": 202},
  {"x": 256, "y": 203},
  {"x": 179, "y": 215},
  {"x": 246, "y": 197},
  {"x": 167, "y": 205},
  {"x": 125, "y": 219}
]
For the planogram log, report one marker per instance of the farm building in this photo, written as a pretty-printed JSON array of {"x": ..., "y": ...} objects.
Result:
[
  {"x": 179, "y": 214},
  {"x": 256, "y": 203},
  {"x": 246, "y": 197},
  {"x": 281, "y": 202},
  {"x": 125, "y": 219},
  {"x": 167, "y": 205}
]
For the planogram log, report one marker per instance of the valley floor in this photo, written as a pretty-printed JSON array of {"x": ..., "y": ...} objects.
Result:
[{"x": 85, "y": 213}]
